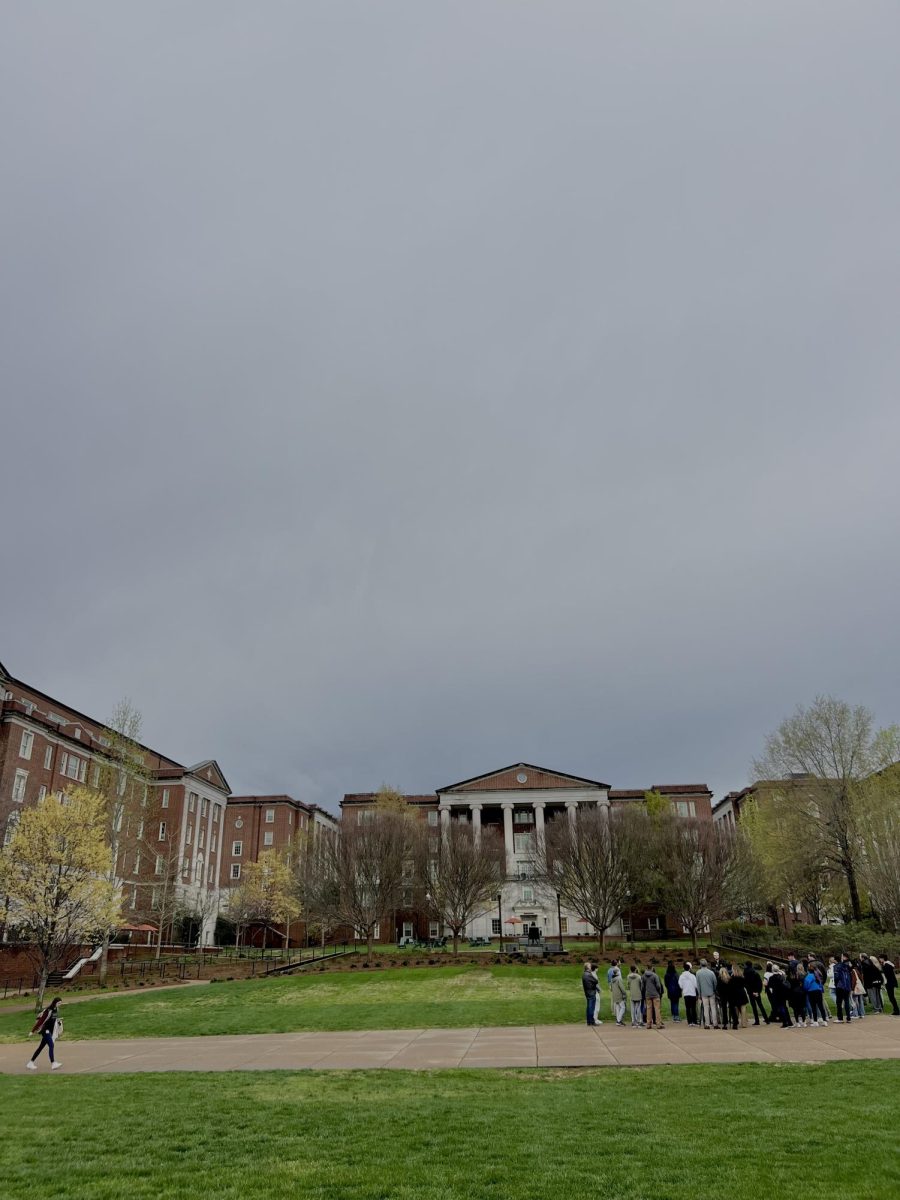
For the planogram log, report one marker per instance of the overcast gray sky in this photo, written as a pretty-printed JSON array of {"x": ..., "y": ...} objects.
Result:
[{"x": 394, "y": 391}]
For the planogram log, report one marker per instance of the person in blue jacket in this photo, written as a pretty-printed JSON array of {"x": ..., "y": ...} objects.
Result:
[{"x": 812, "y": 986}]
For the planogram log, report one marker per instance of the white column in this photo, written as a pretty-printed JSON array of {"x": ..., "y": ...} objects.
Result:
[
  {"x": 475, "y": 810},
  {"x": 572, "y": 809},
  {"x": 604, "y": 805},
  {"x": 508, "y": 838},
  {"x": 444, "y": 810},
  {"x": 539, "y": 819}
]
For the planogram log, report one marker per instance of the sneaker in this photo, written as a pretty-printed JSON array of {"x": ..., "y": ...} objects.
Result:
[
  {"x": 29, "y": 1066},
  {"x": 56, "y": 1066}
]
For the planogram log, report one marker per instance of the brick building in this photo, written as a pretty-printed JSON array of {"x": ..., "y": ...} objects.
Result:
[
  {"x": 255, "y": 824},
  {"x": 517, "y": 801},
  {"x": 173, "y": 831}
]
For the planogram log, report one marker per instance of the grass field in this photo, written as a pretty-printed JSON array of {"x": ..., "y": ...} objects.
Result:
[
  {"x": 652, "y": 1134},
  {"x": 401, "y": 998}
]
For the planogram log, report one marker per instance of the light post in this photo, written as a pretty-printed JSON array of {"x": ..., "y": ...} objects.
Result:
[
  {"x": 500, "y": 917},
  {"x": 559, "y": 920}
]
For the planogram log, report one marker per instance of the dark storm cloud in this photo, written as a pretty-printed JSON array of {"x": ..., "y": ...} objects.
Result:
[{"x": 394, "y": 391}]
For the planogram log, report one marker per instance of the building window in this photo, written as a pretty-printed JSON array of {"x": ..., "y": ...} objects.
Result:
[
  {"x": 95, "y": 777},
  {"x": 434, "y": 929},
  {"x": 154, "y": 898},
  {"x": 433, "y": 817},
  {"x": 495, "y": 925},
  {"x": 201, "y": 837},
  {"x": 198, "y": 869},
  {"x": 73, "y": 767},
  {"x": 214, "y": 842},
  {"x": 528, "y": 894},
  {"x": 270, "y": 815},
  {"x": 564, "y": 925},
  {"x": 192, "y": 801},
  {"x": 685, "y": 808},
  {"x": 216, "y": 808},
  {"x": 407, "y": 929},
  {"x": 205, "y": 809},
  {"x": 162, "y": 831},
  {"x": 42, "y": 792},
  {"x": 158, "y": 869},
  {"x": 186, "y": 865},
  {"x": 165, "y": 798},
  {"x": 134, "y": 897},
  {"x": 137, "y": 863},
  {"x": 26, "y": 743},
  {"x": 237, "y": 849},
  {"x": 190, "y": 834},
  {"x": 524, "y": 816},
  {"x": 268, "y": 839},
  {"x": 18, "y": 788},
  {"x": 235, "y": 870},
  {"x": 653, "y": 923},
  {"x": 210, "y": 872},
  {"x": 523, "y": 843},
  {"x": 48, "y": 758}
]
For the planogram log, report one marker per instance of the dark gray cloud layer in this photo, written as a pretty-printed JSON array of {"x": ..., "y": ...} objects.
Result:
[{"x": 394, "y": 391}]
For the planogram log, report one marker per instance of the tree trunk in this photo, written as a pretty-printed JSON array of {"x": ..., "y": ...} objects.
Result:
[
  {"x": 369, "y": 945},
  {"x": 456, "y": 941},
  {"x": 694, "y": 940},
  {"x": 42, "y": 987},
  {"x": 104, "y": 960},
  {"x": 602, "y": 941},
  {"x": 853, "y": 888}
]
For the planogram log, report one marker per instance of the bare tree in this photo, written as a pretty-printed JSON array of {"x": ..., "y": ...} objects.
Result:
[
  {"x": 366, "y": 866},
  {"x": 459, "y": 874},
  {"x": 591, "y": 863},
  {"x": 837, "y": 747},
  {"x": 314, "y": 885},
  {"x": 880, "y": 831},
  {"x": 691, "y": 864}
]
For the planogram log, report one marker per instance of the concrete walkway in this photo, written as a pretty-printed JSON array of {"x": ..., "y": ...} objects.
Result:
[{"x": 429, "y": 1049}]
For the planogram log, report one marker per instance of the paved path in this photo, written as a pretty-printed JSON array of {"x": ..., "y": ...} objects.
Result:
[{"x": 428, "y": 1049}]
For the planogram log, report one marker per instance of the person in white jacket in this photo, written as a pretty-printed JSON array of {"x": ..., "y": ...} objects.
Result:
[{"x": 687, "y": 981}]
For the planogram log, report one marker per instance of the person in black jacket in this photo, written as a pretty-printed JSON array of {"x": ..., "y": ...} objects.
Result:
[
  {"x": 777, "y": 991},
  {"x": 890, "y": 982},
  {"x": 754, "y": 985},
  {"x": 737, "y": 998},
  {"x": 589, "y": 984},
  {"x": 46, "y": 1025},
  {"x": 843, "y": 986}
]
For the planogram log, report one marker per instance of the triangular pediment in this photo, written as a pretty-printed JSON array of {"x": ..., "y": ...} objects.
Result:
[
  {"x": 523, "y": 777},
  {"x": 210, "y": 772}
]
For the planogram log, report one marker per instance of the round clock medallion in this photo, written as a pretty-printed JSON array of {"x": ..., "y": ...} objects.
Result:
[{"x": 522, "y": 777}]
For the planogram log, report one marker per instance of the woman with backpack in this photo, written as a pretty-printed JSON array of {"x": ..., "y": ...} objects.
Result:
[
  {"x": 812, "y": 986},
  {"x": 49, "y": 1026}
]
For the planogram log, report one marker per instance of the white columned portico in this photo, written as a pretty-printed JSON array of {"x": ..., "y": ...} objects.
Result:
[
  {"x": 572, "y": 810},
  {"x": 444, "y": 810},
  {"x": 508, "y": 839},
  {"x": 475, "y": 810}
]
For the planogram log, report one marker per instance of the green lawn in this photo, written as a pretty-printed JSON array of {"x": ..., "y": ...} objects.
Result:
[
  {"x": 658, "y": 1133},
  {"x": 399, "y": 998}
]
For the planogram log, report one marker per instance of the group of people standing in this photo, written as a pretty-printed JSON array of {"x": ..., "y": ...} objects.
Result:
[{"x": 718, "y": 995}]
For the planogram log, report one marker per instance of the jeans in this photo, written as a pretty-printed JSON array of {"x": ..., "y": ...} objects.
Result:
[
  {"x": 673, "y": 1003},
  {"x": 690, "y": 1009},
  {"x": 46, "y": 1040},
  {"x": 591, "y": 1002},
  {"x": 636, "y": 1013},
  {"x": 875, "y": 998},
  {"x": 842, "y": 1002},
  {"x": 816, "y": 1006},
  {"x": 758, "y": 1011},
  {"x": 859, "y": 1006},
  {"x": 891, "y": 993},
  {"x": 710, "y": 1011}
]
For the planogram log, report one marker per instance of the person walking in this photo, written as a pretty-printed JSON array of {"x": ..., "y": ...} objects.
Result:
[
  {"x": 589, "y": 984},
  {"x": 890, "y": 983},
  {"x": 812, "y": 985},
  {"x": 858, "y": 991},
  {"x": 737, "y": 998},
  {"x": 618, "y": 995},
  {"x": 49, "y": 1026},
  {"x": 723, "y": 997},
  {"x": 777, "y": 991},
  {"x": 706, "y": 989},
  {"x": 673, "y": 990},
  {"x": 843, "y": 986},
  {"x": 754, "y": 984},
  {"x": 653, "y": 993},
  {"x": 635, "y": 995},
  {"x": 687, "y": 981}
]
